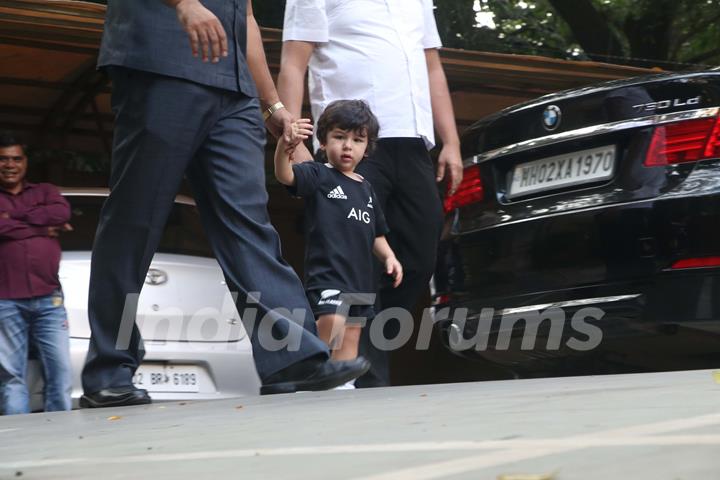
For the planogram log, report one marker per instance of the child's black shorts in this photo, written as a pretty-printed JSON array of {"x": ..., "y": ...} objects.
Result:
[{"x": 325, "y": 301}]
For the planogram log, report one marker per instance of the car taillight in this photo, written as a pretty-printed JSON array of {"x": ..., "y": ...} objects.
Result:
[
  {"x": 470, "y": 190},
  {"x": 702, "y": 262},
  {"x": 686, "y": 141}
]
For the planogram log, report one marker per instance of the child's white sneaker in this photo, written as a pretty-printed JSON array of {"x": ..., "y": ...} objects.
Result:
[{"x": 346, "y": 386}]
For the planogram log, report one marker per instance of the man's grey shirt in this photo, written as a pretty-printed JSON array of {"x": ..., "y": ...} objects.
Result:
[{"x": 146, "y": 35}]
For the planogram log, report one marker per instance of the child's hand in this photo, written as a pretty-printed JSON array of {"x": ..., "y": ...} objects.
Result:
[
  {"x": 395, "y": 270},
  {"x": 301, "y": 130}
]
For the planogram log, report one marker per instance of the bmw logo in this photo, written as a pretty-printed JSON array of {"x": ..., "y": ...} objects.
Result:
[{"x": 551, "y": 117}]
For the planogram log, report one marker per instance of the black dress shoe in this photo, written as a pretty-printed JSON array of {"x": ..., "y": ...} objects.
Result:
[
  {"x": 115, "y": 397},
  {"x": 313, "y": 375}
]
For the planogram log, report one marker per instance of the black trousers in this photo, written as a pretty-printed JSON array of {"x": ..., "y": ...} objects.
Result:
[
  {"x": 403, "y": 176},
  {"x": 166, "y": 128}
]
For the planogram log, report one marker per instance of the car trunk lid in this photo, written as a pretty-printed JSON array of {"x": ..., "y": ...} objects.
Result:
[
  {"x": 599, "y": 136},
  {"x": 183, "y": 299}
]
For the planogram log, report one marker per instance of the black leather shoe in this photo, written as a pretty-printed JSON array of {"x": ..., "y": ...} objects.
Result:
[
  {"x": 313, "y": 375},
  {"x": 115, "y": 397}
]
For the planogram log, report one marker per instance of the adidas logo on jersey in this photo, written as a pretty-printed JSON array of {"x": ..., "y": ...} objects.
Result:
[{"x": 337, "y": 193}]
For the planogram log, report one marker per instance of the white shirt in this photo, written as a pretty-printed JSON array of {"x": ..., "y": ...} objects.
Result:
[{"x": 372, "y": 50}]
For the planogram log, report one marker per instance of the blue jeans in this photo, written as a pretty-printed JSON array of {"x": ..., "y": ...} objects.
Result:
[{"x": 43, "y": 321}]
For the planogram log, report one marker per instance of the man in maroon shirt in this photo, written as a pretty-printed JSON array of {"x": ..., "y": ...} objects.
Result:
[{"x": 31, "y": 302}]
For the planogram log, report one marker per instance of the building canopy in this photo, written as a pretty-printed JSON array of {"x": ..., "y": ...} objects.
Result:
[{"x": 51, "y": 91}]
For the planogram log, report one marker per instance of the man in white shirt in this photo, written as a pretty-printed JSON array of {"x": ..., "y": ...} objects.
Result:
[{"x": 386, "y": 53}]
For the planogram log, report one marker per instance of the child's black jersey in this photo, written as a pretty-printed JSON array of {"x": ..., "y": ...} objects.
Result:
[{"x": 342, "y": 221}]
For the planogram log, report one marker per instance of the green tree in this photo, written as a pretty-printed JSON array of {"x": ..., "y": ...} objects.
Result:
[
  {"x": 503, "y": 26},
  {"x": 666, "y": 33}
]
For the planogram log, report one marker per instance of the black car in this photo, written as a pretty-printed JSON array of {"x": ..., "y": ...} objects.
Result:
[{"x": 585, "y": 237}]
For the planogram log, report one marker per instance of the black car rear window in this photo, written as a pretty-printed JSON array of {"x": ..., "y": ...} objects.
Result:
[{"x": 183, "y": 233}]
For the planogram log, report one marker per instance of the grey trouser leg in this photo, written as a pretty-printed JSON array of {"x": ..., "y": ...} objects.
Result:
[
  {"x": 162, "y": 124},
  {"x": 228, "y": 180}
]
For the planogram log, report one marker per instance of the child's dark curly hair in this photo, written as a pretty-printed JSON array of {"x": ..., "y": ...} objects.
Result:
[{"x": 351, "y": 115}]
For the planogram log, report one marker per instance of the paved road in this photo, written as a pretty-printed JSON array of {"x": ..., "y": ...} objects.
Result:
[{"x": 647, "y": 426}]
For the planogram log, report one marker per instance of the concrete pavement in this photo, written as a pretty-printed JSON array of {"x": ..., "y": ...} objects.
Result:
[{"x": 643, "y": 426}]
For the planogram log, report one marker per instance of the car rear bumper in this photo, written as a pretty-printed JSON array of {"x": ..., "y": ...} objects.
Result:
[
  {"x": 615, "y": 243},
  {"x": 668, "y": 322},
  {"x": 616, "y": 259},
  {"x": 224, "y": 370}
]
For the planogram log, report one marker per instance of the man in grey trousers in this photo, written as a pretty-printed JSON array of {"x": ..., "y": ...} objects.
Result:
[{"x": 190, "y": 88}]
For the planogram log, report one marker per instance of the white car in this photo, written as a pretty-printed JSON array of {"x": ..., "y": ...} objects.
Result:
[{"x": 196, "y": 346}]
